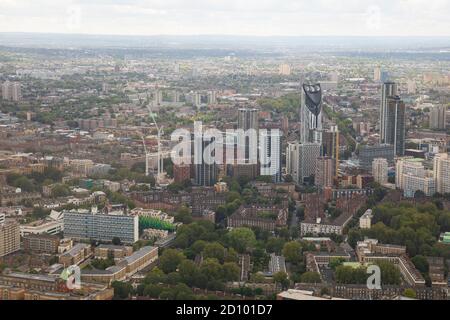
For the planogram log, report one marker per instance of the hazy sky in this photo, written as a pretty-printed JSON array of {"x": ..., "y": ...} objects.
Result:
[{"x": 236, "y": 17}]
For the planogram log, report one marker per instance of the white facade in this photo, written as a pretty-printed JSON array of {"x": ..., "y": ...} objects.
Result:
[
  {"x": 365, "y": 222},
  {"x": 411, "y": 177},
  {"x": 292, "y": 160},
  {"x": 380, "y": 170},
  {"x": 442, "y": 173},
  {"x": 270, "y": 151}
]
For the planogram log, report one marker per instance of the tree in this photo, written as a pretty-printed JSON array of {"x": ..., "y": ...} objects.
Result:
[
  {"x": 183, "y": 292},
  {"x": 390, "y": 274},
  {"x": 212, "y": 269},
  {"x": 122, "y": 290},
  {"x": 419, "y": 194},
  {"x": 170, "y": 259},
  {"x": 275, "y": 245},
  {"x": 421, "y": 263},
  {"x": 214, "y": 250},
  {"x": 183, "y": 215},
  {"x": 349, "y": 275},
  {"x": 156, "y": 276},
  {"x": 336, "y": 262},
  {"x": 188, "y": 271},
  {"x": 257, "y": 278},
  {"x": 173, "y": 278},
  {"x": 282, "y": 279},
  {"x": 116, "y": 241},
  {"x": 241, "y": 239},
  {"x": 310, "y": 277},
  {"x": 410, "y": 293},
  {"x": 60, "y": 190},
  {"x": 152, "y": 291},
  {"x": 230, "y": 271},
  {"x": 24, "y": 184},
  {"x": 198, "y": 246},
  {"x": 292, "y": 251},
  {"x": 231, "y": 256}
]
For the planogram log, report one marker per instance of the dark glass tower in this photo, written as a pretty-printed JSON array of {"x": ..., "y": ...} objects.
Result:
[{"x": 311, "y": 114}]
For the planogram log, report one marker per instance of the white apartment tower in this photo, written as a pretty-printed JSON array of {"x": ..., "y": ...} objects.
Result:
[
  {"x": 380, "y": 170},
  {"x": 270, "y": 153},
  {"x": 441, "y": 171}
]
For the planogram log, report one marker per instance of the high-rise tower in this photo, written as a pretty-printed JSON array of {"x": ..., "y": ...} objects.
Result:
[
  {"x": 388, "y": 89},
  {"x": 311, "y": 114}
]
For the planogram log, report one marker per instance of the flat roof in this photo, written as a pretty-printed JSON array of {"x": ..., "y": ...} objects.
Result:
[
  {"x": 303, "y": 295},
  {"x": 139, "y": 254},
  {"x": 29, "y": 276}
]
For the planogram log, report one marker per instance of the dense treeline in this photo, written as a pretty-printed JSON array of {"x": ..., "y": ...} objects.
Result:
[{"x": 416, "y": 227}]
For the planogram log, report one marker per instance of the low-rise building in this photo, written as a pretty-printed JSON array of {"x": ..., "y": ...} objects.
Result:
[
  {"x": 125, "y": 268},
  {"x": 41, "y": 243},
  {"x": 76, "y": 255},
  {"x": 266, "y": 218},
  {"x": 24, "y": 286},
  {"x": 105, "y": 251},
  {"x": 365, "y": 221}
]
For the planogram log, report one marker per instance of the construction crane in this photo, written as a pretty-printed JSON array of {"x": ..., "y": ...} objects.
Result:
[{"x": 159, "y": 156}]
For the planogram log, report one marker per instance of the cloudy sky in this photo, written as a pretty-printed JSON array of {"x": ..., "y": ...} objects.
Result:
[{"x": 231, "y": 17}]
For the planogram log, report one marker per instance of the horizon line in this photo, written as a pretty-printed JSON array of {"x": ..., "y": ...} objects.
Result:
[{"x": 222, "y": 35}]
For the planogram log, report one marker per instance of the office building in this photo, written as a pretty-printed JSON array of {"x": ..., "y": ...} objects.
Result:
[
  {"x": 247, "y": 170},
  {"x": 438, "y": 117},
  {"x": 311, "y": 114},
  {"x": 411, "y": 176},
  {"x": 9, "y": 237},
  {"x": 247, "y": 119},
  {"x": 41, "y": 243},
  {"x": 292, "y": 161},
  {"x": 205, "y": 164},
  {"x": 181, "y": 173},
  {"x": 101, "y": 226},
  {"x": 246, "y": 143},
  {"x": 331, "y": 147},
  {"x": 441, "y": 173},
  {"x": 270, "y": 149},
  {"x": 396, "y": 125},
  {"x": 308, "y": 154},
  {"x": 392, "y": 118},
  {"x": 284, "y": 70},
  {"x": 277, "y": 264},
  {"x": 11, "y": 91},
  {"x": 380, "y": 170},
  {"x": 368, "y": 153},
  {"x": 377, "y": 74},
  {"x": 324, "y": 172},
  {"x": 388, "y": 89},
  {"x": 212, "y": 99}
]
